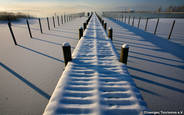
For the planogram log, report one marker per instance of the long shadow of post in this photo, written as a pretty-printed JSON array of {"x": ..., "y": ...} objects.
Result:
[
  {"x": 40, "y": 53},
  {"x": 28, "y": 83}
]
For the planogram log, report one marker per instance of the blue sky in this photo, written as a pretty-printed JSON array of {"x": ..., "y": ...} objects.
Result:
[{"x": 60, "y": 6}]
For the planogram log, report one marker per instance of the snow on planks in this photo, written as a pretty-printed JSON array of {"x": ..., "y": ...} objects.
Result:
[{"x": 95, "y": 82}]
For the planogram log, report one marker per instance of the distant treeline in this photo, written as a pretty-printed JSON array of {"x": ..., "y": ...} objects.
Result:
[{"x": 13, "y": 16}]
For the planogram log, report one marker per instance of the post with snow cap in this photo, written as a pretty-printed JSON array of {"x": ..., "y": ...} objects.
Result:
[
  {"x": 124, "y": 53},
  {"x": 80, "y": 32},
  {"x": 171, "y": 30},
  {"x": 110, "y": 33},
  {"x": 67, "y": 52}
]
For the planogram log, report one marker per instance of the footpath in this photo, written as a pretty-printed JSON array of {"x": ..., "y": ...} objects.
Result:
[{"x": 95, "y": 82}]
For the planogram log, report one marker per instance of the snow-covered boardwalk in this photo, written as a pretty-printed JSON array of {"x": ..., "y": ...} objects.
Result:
[
  {"x": 95, "y": 82},
  {"x": 155, "y": 63}
]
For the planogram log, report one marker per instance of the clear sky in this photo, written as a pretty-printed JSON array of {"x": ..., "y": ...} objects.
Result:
[{"x": 48, "y": 7}]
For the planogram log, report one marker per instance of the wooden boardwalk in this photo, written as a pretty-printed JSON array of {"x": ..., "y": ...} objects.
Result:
[{"x": 95, "y": 82}]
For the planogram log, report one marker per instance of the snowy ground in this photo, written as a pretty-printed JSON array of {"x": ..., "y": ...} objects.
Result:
[
  {"x": 30, "y": 71},
  {"x": 155, "y": 63},
  {"x": 163, "y": 29},
  {"x": 95, "y": 82}
]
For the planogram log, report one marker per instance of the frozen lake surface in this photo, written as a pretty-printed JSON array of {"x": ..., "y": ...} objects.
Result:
[{"x": 30, "y": 71}]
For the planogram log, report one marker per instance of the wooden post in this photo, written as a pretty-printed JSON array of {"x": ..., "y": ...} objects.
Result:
[
  {"x": 105, "y": 26},
  {"x": 61, "y": 19},
  {"x": 67, "y": 52},
  {"x": 146, "y": 25},
  {"x": 11, "y": 31},
  {"x": 80, "y": 32},
  {"x": 122, "y": 18},
  {"x": 29, "y": 28},
  {"x": 110, "y": 33},
  {"x": 139, "y": 22},
  {"x": 40, "y": 25},
  {"x": 102, "y": 22},
  {"x": 129, "y": 20},
  {"x": 133, "y": 21},
  {"x": 124, "y": 53},
  {"x": 58, "y": 20},
  {"x": 171, "y": 30},
  {"x": 125, "y": 19},
  {"x": 84, "y": 25},
  {"x": 156, "y": 27},
  {"x": 53, "y": 22},
  {"x": 48, "y": 23}
]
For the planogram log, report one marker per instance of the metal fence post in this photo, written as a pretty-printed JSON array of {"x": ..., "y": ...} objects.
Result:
[
  {"x": 53, "y": 22},
  {"x": 28, "y": 28},
  {"x": 146, "y": 25},
  {"x": 171, "y": 30},
  {"x": 11, "y": 31},
  {"x": 48, "y": 23},
  {"x": 139, "y": 22},
  {"x": 156, "y": 27},
  {"x": 40, "y": 25},
  {"x": 58, "y": 20}
]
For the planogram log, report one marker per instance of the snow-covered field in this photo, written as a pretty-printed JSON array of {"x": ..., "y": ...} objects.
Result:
[
  {"x": 163, "y": 29},
  {"x": 155, "y": 63},
  {"x": 95, "y": 82},
  {"x": 30, "y": 71}
]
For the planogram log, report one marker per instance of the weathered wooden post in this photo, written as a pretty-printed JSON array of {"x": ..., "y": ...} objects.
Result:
[
  {"x": 29, "y": 28},
  {"x": 105, "y": 26},
  {"x": 84, "y": 25},
  {"x": 110, "y": 33},
  {"x": 58, "y": 20},
  {"x": 67, "y": 52},
  {"x": 102, "y": 22},
  {"x": 53, "y": 22},
  {"x": 156, "y": 27},
  {"x": 80, "y": 32},
  {"x": 61, "y": 19},
  {"x": 146, "y": 24},
  {"x": 133, "y": 21},
  {"x": 40, "y": 26},
  {"x": 124, "y": 53},
  {"x": 125, "y": 19},
  {"x": 129, "y": 20},
  {"x": 11, "y": 31},
  {"x": 48, "y": 23},
  {"x": 139, "y": 22},
  {"x": 171, "y": 30}
]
